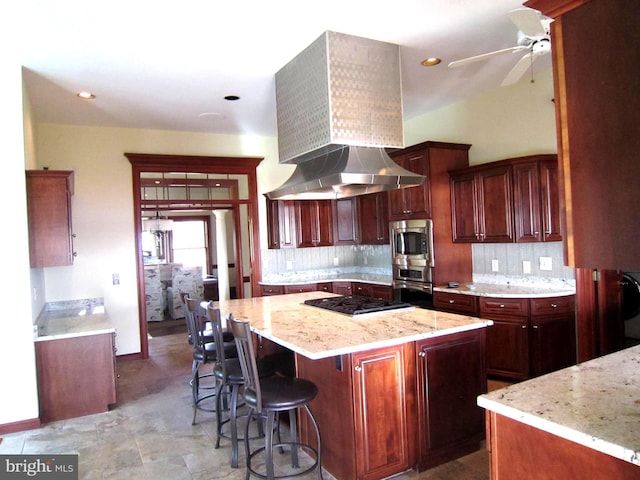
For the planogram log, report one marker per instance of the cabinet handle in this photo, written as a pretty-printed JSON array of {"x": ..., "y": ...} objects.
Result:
[
  {"x": 502, "y": 305},
  {"x": 422, "y": 354},
  {"x": 535, "y": 233},
  {"x": 73, "y": 235},
  {"x": 524, "y": 326},
  {"x": 535, "y": 326},
  {"x": 452, "y": 301},
  {"x": 357, "y": 368},
  {"x": 75, "y": 254},
  {"x": 554, "y": 305}
]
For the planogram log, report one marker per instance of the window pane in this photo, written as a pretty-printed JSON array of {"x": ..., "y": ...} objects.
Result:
[{"x": 189, "y": 243}]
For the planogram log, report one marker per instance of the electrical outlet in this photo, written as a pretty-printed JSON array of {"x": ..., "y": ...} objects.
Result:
[
  {"x": 526, "y": 266},
  {"x": 495, "y": 267},
  {"x": 289, "y": 265},
  {"x": 545, "y": 263},
  {"x": 115, "y": 278},
  {"x": 336, "y": 261}
]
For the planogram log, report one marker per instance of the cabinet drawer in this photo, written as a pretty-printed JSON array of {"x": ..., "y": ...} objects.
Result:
[
  {"x": 271, "y": 290},
  {"x": 325, "y": 287},
  {"x": 307, "y": 287},
  {"x": 553, "y": 305},
  {"x": 455, "y": 302},
  {"x": 504, "y": 306}
]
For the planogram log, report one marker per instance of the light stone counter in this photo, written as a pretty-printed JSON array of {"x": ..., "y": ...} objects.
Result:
[
  {"x": 72, "y": 319},
  {"x": 506, "y": 291},
  {"x": 306, "y": 277},
  {"x": 595, "y": 404},
  {"x": 317, "y": 333}
]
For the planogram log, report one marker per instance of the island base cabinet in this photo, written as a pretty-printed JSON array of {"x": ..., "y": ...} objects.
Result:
[
  {"x": 76, "y": 376},
  {"x": 524, "y": 452},
  {"x": 451, "y": 375},
  {"x": 362, "y": 407}
]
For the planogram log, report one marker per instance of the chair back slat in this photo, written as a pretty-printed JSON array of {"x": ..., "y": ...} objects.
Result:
[
  {"x": 247, "y": 356},
  {"x": 195, "y": 321}
]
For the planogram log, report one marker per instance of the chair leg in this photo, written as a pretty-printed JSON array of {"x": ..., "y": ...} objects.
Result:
[
  {"x": 268, "y": 445},
  {"x": 219, "y": 413},
  {"x": 247, "y": 452},
  {"x": 293, "y": 430}
]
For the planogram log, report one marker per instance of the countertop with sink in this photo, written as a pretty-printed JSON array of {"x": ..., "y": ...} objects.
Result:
[{"x": 74, "y": 318}]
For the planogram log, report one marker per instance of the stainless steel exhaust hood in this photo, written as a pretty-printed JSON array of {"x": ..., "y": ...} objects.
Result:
[{"x": 339, "y": 105}]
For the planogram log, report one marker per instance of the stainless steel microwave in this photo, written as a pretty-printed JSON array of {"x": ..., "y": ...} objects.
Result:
[{"x": 412, "y": 249}]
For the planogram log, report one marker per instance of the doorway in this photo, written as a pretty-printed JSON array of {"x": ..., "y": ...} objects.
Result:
[{"x": 173, "y": 188}]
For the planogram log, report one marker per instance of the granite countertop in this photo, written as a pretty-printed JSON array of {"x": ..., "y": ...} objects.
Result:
[
  {"x": 595, "y": 404},
  {"x": 72, "y": 319},
  {"x": 317, "y": 333},
  {"x": 506, "y": 290}
]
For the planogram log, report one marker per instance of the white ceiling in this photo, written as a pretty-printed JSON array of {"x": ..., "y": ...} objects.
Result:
[{"x": 160, "y": 64}]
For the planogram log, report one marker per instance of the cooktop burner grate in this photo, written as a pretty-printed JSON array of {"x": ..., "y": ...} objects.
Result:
[{"x": 355, "y": 304}]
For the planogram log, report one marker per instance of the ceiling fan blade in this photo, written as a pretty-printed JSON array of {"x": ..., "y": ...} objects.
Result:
[
  {"x": 519, "y": 69},
  {"x": 464, "y": 61},
  {"x": 528, "y": 21}
]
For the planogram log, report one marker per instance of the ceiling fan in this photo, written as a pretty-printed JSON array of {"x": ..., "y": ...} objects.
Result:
[{"x": 533, "y": 37}]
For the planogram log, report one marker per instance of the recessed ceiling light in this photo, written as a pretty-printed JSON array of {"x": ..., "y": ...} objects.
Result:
[
  {"x": 431, "y": 61},
  {"x": 232, "y": 98},
  {"x": 86, "y": 95}
]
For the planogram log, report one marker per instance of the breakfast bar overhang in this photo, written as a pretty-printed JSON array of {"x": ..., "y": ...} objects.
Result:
[{"x": 397, "y": 389}]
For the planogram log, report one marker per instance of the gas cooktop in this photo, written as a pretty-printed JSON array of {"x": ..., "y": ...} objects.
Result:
[{"x": 355, "y": 304}]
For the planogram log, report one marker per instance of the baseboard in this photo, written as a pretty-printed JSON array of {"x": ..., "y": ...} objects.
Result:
[
  {"x": 129, "y": 356},
  {"x": 20, "y": 426}
]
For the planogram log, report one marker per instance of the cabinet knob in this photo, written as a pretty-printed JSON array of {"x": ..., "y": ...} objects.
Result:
[
  {"x": 357, "y": 368},
  {"x": 502, "y": 305},
  {"x": 535, "y": 326},
  {"x": 535, "y": 233},
  {"x": 452, "y": 301},
  {"x": 422, "y": 354},
  {"x": 524, "y": 326},
  {"x": 554, "y": 305}
]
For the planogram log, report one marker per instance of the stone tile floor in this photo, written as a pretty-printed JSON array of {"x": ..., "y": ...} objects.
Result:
[{"x": 149, "y": 435}]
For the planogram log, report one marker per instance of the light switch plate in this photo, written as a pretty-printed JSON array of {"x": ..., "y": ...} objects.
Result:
[
  {"x": 495, "y": 266},
  {"x": 546, "y": 263},
  {"x": 289, "y": 265},
  {"x": 526, "y": 266}
]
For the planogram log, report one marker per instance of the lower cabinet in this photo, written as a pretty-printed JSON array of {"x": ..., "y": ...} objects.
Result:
[
  {"x": 76, "y": 376},
  {"x": 372, "y": 290},
  {"x": 305, "y": 287},
  {"x": 387, "y": 410}
]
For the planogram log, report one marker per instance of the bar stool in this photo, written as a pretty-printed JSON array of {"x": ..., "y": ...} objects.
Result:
[
  {"x": 229, "y": 379},
  {"x": 204, "y": 352},
  {"x": 268, "y": 397}
]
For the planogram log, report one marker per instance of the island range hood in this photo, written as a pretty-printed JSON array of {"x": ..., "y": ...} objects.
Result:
[{"x": 339, "y": 106}]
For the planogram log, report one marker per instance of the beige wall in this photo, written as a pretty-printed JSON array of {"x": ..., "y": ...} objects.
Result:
[
  {"x": 103, "y": 207},
  {"x": 506, "y": 122}
]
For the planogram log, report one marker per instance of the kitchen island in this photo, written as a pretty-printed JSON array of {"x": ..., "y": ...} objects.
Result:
[
  {"x": 397, "y": 389},
  {"x": 581, "y": 422}
]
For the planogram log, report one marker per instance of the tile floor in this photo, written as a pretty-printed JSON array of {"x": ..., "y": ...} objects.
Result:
[{"x": 149, "y": 434}]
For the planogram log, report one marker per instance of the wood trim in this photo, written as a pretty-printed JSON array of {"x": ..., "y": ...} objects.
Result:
[
  {"x": 20, "y": 426},
  {"x": 147, "y": 162},
  {"x": 555, "y": 8}
]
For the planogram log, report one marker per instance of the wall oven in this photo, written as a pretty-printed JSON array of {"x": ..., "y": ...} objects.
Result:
[{"x": 412, "y": 261}]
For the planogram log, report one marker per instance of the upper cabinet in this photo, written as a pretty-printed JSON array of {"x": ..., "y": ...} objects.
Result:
[
  {"x": 373, "y": 213},
  {"x": 49, "y": 210},
  {"x": 411, "y": 202},
  {"x": 513, "y": 200},
  {"x": 345, "y": 221},
  {"x": 598, "y": 141},
  {"x": 482, "y": 204},
  {"x": 281, "y": 224},
  {"x": 314, "y": 223}
]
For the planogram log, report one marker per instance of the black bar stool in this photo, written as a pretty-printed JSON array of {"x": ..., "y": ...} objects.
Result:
[{"x": 268, "y": 397}]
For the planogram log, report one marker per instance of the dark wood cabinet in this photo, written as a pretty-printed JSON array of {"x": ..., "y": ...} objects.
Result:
[
  {"x": 306, "y": 287},
  {"x": 267, "y": 290},
  {"x": 529, "y": 337},
  {"x": 281, "y": 224},
  {"x": 362, "y": 289},
  {"x": 314, "y": 223},
  {"x": 324, "y": 287},
  {"x": 382, "y": 291},
  {"x": 373, "y": 213},
  {"x": 450, "y": 423},
  {"x": 345, "y": 221},
  {"x": 342, "y": 288},
  {"x": 49, "y": 212},
  {"x": 536, "y": 201},
  {"x": 76, "y": 376},
  {"x": 598, "y": 142},
  {"x": 482, "y": 204},
  {"x": 455, "y": 303},
  {"x": 411, "y": 202}
]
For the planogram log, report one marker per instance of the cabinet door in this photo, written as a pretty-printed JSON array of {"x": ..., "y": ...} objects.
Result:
[
  {"x": 526, "y": 202},
  {"x": 455, "y": 303},
  {"x": 496, "y": 205},
  {"x": 382, "y": 291},
  {"x": 268, "y": 290},
  {"x": 313, "y": 223},
  {"x": 373, "y": 212},
  {"x": 411, "y": 202},
  {"x": 451, "y": 375},
  {"x": 281, "y": 223},
  {"x": 363, "y": 289},
  {"x": 49, "y": 211},
  {"x": 382, "y": 431},
  {"x": 342, "y": 288},
  {"x": 345, "y": 220},
  {"x": 553, "y": 343},
  {"x": 306, "y": 287},
  {"x": 325, "y": 287},
  {"x": 550, "y": 201},
  {"x": 464, "y": 208}
]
